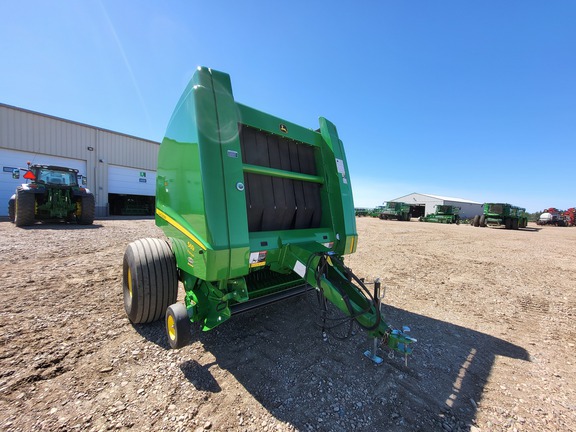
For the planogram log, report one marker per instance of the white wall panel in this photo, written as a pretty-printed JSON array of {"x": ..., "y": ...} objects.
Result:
[{"x": 130, "y": 181}]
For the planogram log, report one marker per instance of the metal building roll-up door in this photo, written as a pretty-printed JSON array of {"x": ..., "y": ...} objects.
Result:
[
  {"x": 131, "y": 181},
  {"x": 131, "y": 191},
  {"x": 10, "y": 159}
]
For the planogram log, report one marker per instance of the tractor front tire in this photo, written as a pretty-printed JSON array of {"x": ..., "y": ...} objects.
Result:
[
  {"x": 150, "y": 280},
  {"x": 476, "y": 221},
  {"x": 24, "y": 208},
  {"x": 11, "y": 209},
  {"x": 85, "y": 215},
  {"x": 482, "y": 221},
  {"x": 177, "y": 326}
]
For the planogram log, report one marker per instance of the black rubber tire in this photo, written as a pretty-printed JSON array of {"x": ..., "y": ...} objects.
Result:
[
  {"x": 24, "y": 208},
  {"x": 11, "y": 209},
  {"x": 409, "y": 216},
  {"x": 150, "y": 280},
  {"x": 515, "y": 224},
  {"x": 476, "y": 221},
  {"x": 508, "y": 223},
  {"x": 482, "y": 221},
  {"x": 177, "y": 326},
  {"x": 87, "y": 210}
]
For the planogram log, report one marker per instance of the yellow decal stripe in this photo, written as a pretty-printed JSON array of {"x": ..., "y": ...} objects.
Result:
[
  {"x": 180, "y": 228},
  {"x": 352, "y": 244}
]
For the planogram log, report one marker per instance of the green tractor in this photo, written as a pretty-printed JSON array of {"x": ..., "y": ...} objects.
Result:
[
  {"x": 51, "y": 193},
  {"x": 501, "y": 214},
  {"x": 395, "y": 210},
  {"x": 444, "y": 214},
  {"x": 256, "y": 210}
]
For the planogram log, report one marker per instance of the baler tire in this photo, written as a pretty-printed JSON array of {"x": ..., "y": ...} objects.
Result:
[
  {"x": 24, "y": 208},
  {"x": 482, "y": 221},
  {"x": 177, "y": 326},
  {"x": 87, "y": 210},
  {"x": 476, "y": 221},
  {"x": 11, "y": 209},
  {"x": 150, "y": 280}
]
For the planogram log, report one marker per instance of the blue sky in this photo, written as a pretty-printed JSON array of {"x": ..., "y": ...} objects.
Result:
[{"x": 472, "y": 99}]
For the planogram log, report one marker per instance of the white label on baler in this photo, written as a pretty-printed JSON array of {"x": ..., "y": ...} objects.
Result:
[
  {"x": 300, "y": 269},
  {"x": 258, "y": 259},
  {"x": 340, "y": 166}
]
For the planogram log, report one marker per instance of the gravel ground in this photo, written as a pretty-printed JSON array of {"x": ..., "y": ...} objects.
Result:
[{"x": 493, "y": 311}]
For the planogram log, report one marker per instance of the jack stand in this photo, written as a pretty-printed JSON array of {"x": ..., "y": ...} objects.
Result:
[{"x": 372, "y": 354}]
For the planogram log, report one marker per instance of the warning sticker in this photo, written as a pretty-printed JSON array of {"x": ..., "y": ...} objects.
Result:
[
  {"x": 300, "y": 269},
  {"x": 340, "y": 166},
  {"x": 257, "y": 259}
]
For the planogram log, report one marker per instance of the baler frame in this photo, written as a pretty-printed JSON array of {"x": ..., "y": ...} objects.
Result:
[{"x": 256, "y": 209}]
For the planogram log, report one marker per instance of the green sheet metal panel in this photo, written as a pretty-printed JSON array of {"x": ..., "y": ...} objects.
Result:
[{"x": 201, "y": 182}]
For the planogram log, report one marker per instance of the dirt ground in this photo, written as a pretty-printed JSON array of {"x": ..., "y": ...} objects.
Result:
[{"x": 493, "y": 311}]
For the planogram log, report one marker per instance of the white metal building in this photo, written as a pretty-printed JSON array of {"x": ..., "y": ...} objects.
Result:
[
  {"x": 423, "y": 204},
  {"x": 120, "y": 169}
]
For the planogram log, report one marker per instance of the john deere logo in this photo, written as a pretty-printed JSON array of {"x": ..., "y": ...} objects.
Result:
[{"x": 283, "y": 128}]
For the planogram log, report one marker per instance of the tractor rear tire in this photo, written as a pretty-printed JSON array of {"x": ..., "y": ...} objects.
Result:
[
  {"x": 177, "y": 326},
  {"x": 482, "y": 221},
  {"x": 508, "y": 223},
  {"x": 87, "y": 210},
  {"x": 150, "y": 280},
  {"x": 24, "y": 208},
  {"x": 476, "y": 221},
  {"x": 514, "y": 224},
  {"x": 11, "y": 209}
]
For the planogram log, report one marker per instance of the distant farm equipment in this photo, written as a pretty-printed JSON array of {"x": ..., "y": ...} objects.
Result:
[
  {"x": 501, "y": 214},
  {"x": 52, "y": 193},
  {"x": 395, "y": 210},
  {"x": 570, "y": 216},
  {"x": 556, "y": 217},
  {"x": 370, "y": 212},
  {"x": 444, "y": 214},
  {"x": 552, "y": 216},
  {"x": 361, "y": 212}
]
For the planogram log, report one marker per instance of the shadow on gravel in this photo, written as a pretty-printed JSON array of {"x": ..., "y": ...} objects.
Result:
[
  {"x": 200, "y": 376},
  {"x": 153, "y": 332},
  {"x": 60, "y": 227},
  {"x": 278, "y": 355}
]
